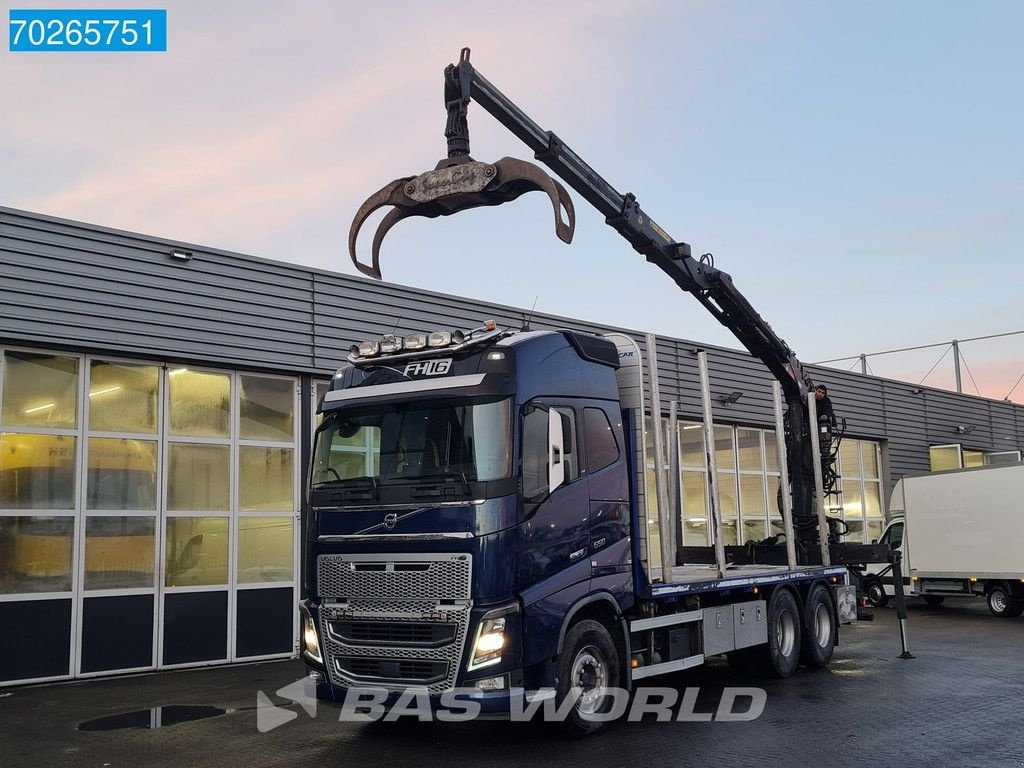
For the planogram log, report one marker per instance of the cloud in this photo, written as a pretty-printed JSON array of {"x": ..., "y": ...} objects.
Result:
[{"x": 155, "y": 153}]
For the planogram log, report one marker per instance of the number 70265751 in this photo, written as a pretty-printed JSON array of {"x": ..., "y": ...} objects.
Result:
[{"x": 87, "y": 30}]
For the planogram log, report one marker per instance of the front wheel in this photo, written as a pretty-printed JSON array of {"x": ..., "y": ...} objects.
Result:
[
  {"x": 1002, "y": 603},
  {"x": 588, "y": 667},
  {"x": 819, "y": 640}
]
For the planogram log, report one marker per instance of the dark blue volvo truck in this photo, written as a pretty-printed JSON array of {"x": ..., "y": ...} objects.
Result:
[{"x": 477, "y": 519}]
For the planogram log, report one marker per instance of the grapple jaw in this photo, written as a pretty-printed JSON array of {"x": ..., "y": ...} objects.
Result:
[{"x": 458, "y": 184}]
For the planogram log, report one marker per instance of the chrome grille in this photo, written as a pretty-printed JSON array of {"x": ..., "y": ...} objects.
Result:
[
  {"x": 383, "y": 577},
  {"x": 394, "y": 621}
]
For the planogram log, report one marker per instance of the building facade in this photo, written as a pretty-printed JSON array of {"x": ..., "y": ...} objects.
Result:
[{"x": 157, "y": 404}]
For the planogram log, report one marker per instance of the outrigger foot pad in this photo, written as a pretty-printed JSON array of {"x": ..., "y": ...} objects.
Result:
[{"x": 458, "y": 184}]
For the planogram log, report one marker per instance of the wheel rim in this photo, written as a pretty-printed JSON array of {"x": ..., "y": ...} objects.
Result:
[
  {"x": 875, "y": 593},
  {"x": 823, "y": 626},
  {"x": 589, "y": 677},
  {"x": 997, "y": 600},
  {"x": 785, "y": 634}
]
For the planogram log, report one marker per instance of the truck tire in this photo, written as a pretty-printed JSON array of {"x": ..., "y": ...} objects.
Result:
[
  {"x": 876, "y": 592},
  {"x": 590, "y": 663},
  {"x": 934, "y": 600},
  {"x": 780, "y": 656},
  {"x": 1002, "y": 603},
  {"x": 819, "y": 636}
]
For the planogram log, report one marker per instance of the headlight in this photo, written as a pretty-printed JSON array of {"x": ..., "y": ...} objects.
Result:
[
  {"x": 490, "y": 639},
  {"x": 310, "y": 641}
]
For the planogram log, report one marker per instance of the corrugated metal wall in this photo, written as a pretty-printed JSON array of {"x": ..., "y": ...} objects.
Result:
[{"x": 75, "y": 285}]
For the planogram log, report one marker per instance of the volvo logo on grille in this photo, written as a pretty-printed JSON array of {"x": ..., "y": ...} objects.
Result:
[{"x": 390, "y": 520}]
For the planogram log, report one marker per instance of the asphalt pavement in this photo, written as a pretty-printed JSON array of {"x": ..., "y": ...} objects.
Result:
[{"x": 960, "y": 702}]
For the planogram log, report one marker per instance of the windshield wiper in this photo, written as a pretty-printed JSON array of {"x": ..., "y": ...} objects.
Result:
[
  {"x": 449, "y": 474},
  {"x": 371, "y": 481}
]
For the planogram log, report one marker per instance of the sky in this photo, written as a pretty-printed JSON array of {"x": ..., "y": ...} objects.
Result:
[{"x": 856, "y": 167}]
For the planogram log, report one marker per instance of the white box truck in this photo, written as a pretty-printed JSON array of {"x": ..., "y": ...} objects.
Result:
[{"x": 961, "y": 533}]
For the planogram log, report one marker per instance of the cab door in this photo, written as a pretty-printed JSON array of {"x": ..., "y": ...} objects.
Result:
[{"x": 556, "y": 504}]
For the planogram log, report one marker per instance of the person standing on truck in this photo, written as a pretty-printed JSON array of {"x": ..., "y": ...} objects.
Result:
[{"x": 824, "y": 405}]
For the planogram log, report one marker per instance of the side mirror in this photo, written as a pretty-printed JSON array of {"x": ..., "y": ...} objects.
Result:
[
  {"x": 874, "y": 541},
  {"x": 556, "y": 451}
]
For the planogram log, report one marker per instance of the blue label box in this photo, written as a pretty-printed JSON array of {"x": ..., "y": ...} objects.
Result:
[{"x": 83, "y": 30}]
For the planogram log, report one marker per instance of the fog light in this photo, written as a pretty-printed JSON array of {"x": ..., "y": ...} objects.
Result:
[
  {"x": 369, "y": 348},
  {"x": 439, "y": 339},
  {"x": 310, "y": 642},
  {"x": 495, "y": 355},
  {"x": 491, "y": 683},
  {"x": 415, "y": 341},
  {"x": 390, "y": 344}
]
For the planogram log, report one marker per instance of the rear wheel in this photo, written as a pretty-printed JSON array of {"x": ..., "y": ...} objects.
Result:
[
  {"x": 588, "y": 667},
  {"x": 934, "y": 600},
  {"x": 780, "y": 656},
  {"x": 1002, "y": 603},
  {"x": 819, "y": 637}
]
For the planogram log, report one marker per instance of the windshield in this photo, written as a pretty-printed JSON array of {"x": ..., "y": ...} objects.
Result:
[{"x": 401, "y": 442}]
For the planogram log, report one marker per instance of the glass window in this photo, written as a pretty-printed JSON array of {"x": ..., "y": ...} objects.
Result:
[
  {"x": 973, "y": 458},
  {"x": 749, "y": 444},
  {"x": 200, "y": 403},
  {"x": 122, "y": 474},
  {"x": 40, "y": 390},
  {"x": 417, "y": 440},
  {"x": 266, "y": 478},
  {"x": 723, "y": 448},
  {"x": 945, "y": 457},
  {"x": 265, "y": 549},
  {"x": 691, "y": 445},
  {"x": 123, "y": 397},
  {"x": 37, "y": 471},
  {"x": 774, "y": 501},
  {"x": 267, "y": 409},
  {"x": 695, "y": 532},
  {"x": 695, "y": 495},
  {"x": 849, "y": 458},
  {"x": 35, "y": 554},
  {"x": 851, "y": 500},
  {"x": 752, "y": 496},
  {"x": 753, "y": 530},
  {"x": 872, "y": 499},
  {"x": 197, "y": 551},
  {"x": 771, "y": 451},
  {"x": 874, "y": 529},
  {"x": 535, "y": 454},
  {"x": 198, "y": 477},
  {"x": 776, "y": 527},
  {"x": 869, "y": 453},
  {"x": 854, "y": 530},
  {"x": 727, "y": 494},
  {"x": 569, "y": 442},
  {"x": 119, "y": 552},
  {"x": 730, "y": 532},
  {"x": 602, "y": 450},
  {"x": 894, "y": 536}
]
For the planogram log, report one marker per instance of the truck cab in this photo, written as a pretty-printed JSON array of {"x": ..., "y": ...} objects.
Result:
[{"x": 468, "y": 494}]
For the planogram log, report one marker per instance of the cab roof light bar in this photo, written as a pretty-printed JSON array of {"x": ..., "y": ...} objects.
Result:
[{"x": 419, "y": 345}]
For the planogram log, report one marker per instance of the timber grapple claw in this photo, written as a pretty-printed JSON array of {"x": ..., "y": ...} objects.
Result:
[{"x": 458, "y": 184}]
